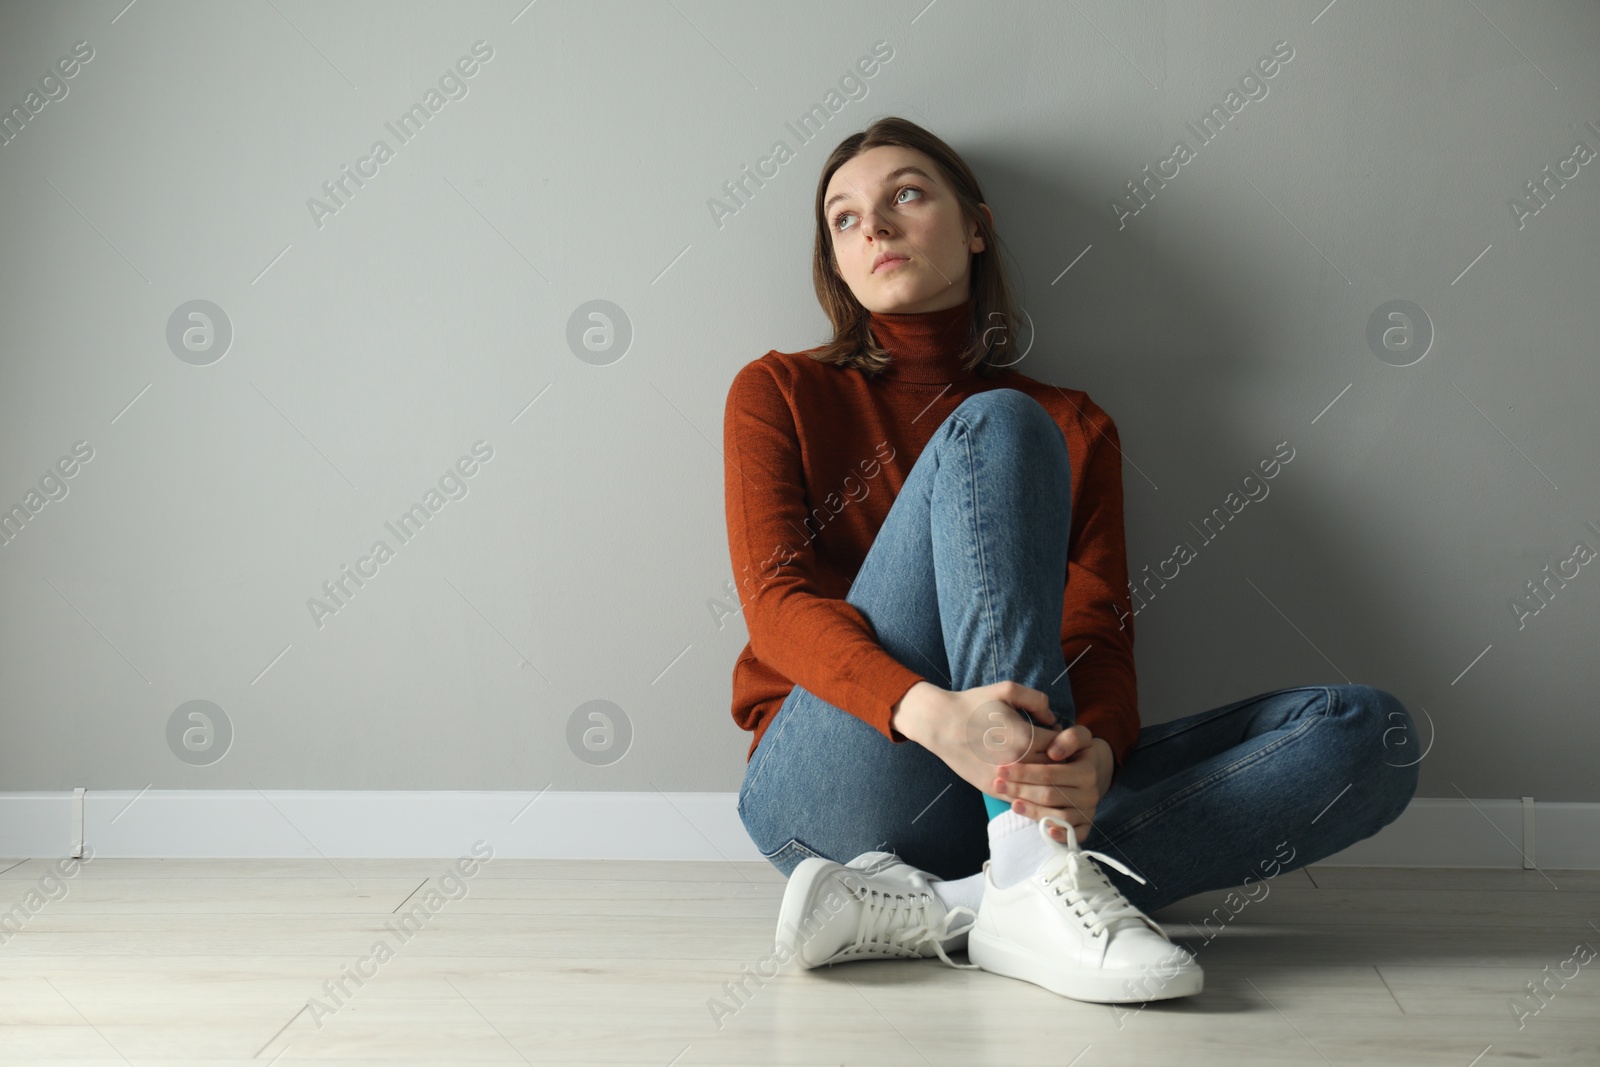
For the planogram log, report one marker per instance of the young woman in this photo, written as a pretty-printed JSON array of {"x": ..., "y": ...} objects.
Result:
[{"x": 929, "y": 553}]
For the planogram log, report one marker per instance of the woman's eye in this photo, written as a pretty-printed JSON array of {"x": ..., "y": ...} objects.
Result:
[{"x": 903, "y": 189}]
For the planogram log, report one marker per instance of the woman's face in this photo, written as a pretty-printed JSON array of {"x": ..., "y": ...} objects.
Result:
[{"x": 890, "y": 204}]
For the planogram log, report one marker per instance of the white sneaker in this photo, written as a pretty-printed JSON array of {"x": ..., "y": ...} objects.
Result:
[
  {"x": 877, "y": 906},
  {"x": 1068, "y": 929}
]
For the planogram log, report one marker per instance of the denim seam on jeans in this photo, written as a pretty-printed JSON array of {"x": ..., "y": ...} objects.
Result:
[
  {"x": 779, "y": 856},
  {"x": 1228, "y": 771},
  {"x": 977, "y": 540}
]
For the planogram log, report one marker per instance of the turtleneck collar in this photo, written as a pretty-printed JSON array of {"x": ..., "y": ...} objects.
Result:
[{"x": 925, "y": 347}]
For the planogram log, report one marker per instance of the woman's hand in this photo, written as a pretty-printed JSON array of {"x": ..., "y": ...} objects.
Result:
[
  {"x": 977, "y": 731},
  {"x": 988, "y": 736},
  {"x": 1066, "y": 781}
]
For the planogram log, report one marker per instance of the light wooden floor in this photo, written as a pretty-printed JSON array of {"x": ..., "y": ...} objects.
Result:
[{"x": 214, "y": 961}]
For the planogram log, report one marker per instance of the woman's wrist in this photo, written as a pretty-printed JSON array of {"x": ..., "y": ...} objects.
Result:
[{"x": 909, "y": 714}]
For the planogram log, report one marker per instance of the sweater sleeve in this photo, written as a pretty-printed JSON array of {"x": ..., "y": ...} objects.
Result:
[
  {"x": 824, "y": 644},
  {"x": 1095, "y": 624}
]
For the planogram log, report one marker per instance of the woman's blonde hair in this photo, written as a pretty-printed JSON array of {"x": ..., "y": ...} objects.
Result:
[{"x": 992, "y": 330}]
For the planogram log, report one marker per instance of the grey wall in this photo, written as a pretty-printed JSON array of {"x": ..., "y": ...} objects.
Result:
[{"x": 372, "y": 348}]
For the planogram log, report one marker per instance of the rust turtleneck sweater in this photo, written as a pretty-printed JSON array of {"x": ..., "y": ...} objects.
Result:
[{"x": 814, "y": 457}]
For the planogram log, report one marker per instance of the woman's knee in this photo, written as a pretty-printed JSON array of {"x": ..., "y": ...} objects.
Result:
[
  {"x": 1016, "y": 416},
  {"x": 1389, "y": 749},
  {"x": 1009, "y": 405}
]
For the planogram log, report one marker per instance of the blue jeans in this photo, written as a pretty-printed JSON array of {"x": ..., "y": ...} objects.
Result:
[{"x": 964, "y": 584}]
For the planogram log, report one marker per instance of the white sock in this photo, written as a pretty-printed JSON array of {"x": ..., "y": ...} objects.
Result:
[
  {"x": 962, "y": 892},
  {"x": 1016, "y": 848}
]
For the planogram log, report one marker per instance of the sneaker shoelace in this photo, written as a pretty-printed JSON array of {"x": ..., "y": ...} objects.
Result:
[
  {"x": 1094, "y": 899},
  {"x": 899, "y": 924}
]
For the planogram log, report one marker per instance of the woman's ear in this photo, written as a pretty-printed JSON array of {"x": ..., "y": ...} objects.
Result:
[{"x": 977, "y": 234}]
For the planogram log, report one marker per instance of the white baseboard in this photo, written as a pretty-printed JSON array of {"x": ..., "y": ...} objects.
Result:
[
  {"x": 272, "y": 823},
  {"x": 173, "y": 823}
]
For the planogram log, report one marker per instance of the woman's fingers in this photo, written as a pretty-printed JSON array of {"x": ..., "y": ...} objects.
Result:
[
  {"x": 1047, "y": 771},
  {"x": 1042, "y": 800},
  {"x": 1074, "y": 774},
  {"x": 1053, "y": 803},
  {"x": 1031, "y": 701},
  {"x": 1079, "y": 821},
  {"x": 1037, "y": 803},
  {"x": 1001, "y": 734},
  {"x": 1045, "y": 796},
  {"x": 1069, "y": 741}
]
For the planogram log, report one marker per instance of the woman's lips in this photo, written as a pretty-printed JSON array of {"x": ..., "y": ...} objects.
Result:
[{"x": 891, "y": 263}]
